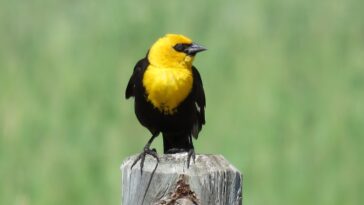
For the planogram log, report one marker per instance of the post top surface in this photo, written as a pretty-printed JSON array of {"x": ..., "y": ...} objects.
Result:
[{"x": 177, "y": 163}]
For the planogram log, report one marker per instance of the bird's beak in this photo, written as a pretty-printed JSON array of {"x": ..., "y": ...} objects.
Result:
[{"x": 194, "y": 48}]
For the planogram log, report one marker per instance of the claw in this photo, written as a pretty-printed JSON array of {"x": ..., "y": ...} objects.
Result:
[
  {"x": 191, "y": 153},
  {"x": 141, "y": 156}
]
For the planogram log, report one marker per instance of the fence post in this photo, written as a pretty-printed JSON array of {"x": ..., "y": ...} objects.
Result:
[{"x": 212, "y": 180}]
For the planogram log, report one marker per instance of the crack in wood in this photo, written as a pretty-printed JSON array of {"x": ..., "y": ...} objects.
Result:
[{"x": 182, "y": 195}]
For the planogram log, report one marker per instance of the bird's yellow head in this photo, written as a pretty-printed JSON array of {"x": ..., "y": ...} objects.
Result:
[{"x": 173, "y": 51}]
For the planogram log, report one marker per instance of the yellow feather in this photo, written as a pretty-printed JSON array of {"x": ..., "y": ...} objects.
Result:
[
  {"x": 168, "y": 79},
  {"x": 167, "y": 87}
]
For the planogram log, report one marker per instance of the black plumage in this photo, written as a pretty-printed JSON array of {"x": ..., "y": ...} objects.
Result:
[{"x": 178, "y": 127}]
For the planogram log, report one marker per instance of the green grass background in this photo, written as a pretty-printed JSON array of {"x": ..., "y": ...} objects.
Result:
[{"x": 284, "y": 82}]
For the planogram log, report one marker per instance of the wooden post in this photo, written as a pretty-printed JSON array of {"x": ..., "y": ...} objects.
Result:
[{"x": 210, "y": 181}]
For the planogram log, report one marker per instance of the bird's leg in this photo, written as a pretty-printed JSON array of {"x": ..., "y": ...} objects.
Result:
[
  {"x": 146, "y": 150},
  {"x": 191, "y": 153}
]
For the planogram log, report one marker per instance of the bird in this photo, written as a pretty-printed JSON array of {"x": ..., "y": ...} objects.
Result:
[{"x": 169, "y": 97}]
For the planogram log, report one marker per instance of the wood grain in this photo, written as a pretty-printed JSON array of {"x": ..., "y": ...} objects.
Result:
[{"x": 211, "y": 180}]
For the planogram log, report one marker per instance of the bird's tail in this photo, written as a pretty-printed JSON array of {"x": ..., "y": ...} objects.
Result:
[{"x": 175, "y": 143}]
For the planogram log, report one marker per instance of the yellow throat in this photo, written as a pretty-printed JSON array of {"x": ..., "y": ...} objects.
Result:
[{"x": 168, "y": 79}]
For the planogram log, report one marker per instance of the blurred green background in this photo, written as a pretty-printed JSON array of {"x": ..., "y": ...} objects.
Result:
[{"x": 284, "y": 82}]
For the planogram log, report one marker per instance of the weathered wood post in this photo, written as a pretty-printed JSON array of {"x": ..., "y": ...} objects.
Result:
[{"x": 210, "y": 181}]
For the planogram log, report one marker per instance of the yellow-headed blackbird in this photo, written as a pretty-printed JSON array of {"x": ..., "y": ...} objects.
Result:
[{"x": 169, "y": 96}]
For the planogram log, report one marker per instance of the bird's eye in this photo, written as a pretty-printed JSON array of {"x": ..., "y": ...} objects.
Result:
[{"x": 180, "y": 47}]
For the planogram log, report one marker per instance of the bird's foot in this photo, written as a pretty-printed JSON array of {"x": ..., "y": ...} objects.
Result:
[
  {"x": 141, "y": 157},
  {"x": 191, "y": 154}
]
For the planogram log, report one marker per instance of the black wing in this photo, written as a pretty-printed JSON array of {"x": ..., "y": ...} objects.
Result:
[
  {"x": 139, "y": 68},
  {"x": 200, "y": 101}
]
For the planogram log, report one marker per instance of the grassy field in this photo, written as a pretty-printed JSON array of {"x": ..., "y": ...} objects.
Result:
[{"x": 284, "y": 82}]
